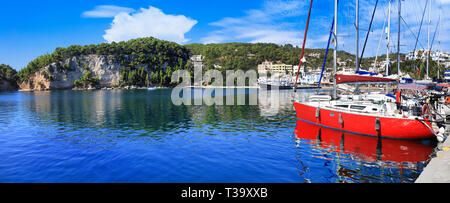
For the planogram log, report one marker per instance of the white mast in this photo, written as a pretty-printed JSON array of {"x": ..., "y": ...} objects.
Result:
[
  {"x": 398, "y": 40},
  {"x": 439, "y": 42},
  {"x": 379, "y": 43},
  {"x": 357, "y": 35},
  {"x": 428, "y": 41},
  {"x": 335, "y": 48},
  {"x": 388, "y": 38}
]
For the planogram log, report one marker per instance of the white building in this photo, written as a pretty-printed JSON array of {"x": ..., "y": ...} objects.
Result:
[
  {"x": 310, "y": 78},
  {"x": 280, "y": 68},
  {"x": 422, "y": 54},
  {"x": 197, "y": 60}
]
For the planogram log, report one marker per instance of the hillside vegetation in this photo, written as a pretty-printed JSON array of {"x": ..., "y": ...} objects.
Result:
[
  {"x": 150, "y": 61},
  {"x": 160, "y": 57},
  {"x": 7, "y": 73},
  {"x": 8, "y": 78},
  {"x": 245, "y": 56}
]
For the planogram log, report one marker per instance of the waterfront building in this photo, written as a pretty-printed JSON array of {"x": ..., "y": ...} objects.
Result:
[
  {"x": 280, "y": 68},
  {"x": 197, "y": 60},
  {"x": 264, "y": 67},
  {"x": 295, "y": 70},
  {"x": 422, "y": 54},
  {"x": 310, "y": 78}
]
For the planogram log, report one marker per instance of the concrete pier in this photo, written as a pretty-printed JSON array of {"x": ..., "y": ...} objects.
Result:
[{"x": 438, "y": 170}]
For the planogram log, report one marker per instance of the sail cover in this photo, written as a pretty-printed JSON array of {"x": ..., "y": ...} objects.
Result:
[{"x": 412, "y": 86}]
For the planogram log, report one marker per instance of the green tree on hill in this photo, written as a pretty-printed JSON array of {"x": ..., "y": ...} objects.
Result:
[{"x": 8, "y": 73}]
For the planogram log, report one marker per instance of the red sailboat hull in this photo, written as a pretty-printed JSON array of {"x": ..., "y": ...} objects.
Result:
[
  {"x": 341, "y": 78},
  {"x": 395, "y": 128}
]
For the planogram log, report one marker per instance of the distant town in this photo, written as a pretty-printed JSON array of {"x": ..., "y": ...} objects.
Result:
[{"x": 311, "y": 76}]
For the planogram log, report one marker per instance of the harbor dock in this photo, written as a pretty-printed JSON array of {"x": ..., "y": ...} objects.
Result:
[{"x": 438, "y": 170}]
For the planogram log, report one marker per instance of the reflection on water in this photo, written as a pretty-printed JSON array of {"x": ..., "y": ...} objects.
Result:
[
  {"x": 365, "y": 159},
  {"x": 141, "y": 136},
  {"x": 149, "y": 111}
]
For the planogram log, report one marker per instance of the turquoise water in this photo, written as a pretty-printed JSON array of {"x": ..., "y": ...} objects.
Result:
[{"x": 140, "y": 136}]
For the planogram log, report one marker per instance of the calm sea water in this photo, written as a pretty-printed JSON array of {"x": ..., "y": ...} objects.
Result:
[{"x": 140, "y": 136}]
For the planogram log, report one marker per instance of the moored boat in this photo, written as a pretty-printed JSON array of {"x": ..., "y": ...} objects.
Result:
[
  {"x": 363, "y": 119},
  {"x": 369, "y": 118},
  {"x": 354, "y": 78},
  {"x": 271, "y": 86}
]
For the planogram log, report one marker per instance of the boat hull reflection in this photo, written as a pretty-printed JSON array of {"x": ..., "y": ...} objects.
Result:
[{"x": 370, "y": 149}]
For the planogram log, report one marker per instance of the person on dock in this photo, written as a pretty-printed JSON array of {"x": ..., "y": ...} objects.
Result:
[{"x": 398, "y": 99}]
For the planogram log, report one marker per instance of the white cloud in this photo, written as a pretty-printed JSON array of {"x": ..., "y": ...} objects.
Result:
[
  {"x": 106, "y": 11},
  {"x": 150, "y": 22},
  {"x": 261, "y": 25}
]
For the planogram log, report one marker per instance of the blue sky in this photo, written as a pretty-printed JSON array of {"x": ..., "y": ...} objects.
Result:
[{"x": 32, "y": 28}]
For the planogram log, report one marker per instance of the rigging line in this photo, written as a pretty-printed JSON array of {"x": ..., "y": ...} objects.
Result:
[
  {"x": 379, "y": 43},
  {"x": 367, "y": 36},
  {"x": 382, "y": 34},
  {"x": 415, "y": 37},
  {"x": 435, "y": 31},
  {"x": 326, "y": 53},
  {"x": 303, "y": 47},
  {"x": 420, "y": 28},
  {"x": 419, "y": 8}
]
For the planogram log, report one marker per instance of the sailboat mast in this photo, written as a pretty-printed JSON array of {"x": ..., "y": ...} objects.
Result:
[
  {"x": 428, "y": 41},
  {"x": 379, "y": 43},
  {"x": 398, "y": 40},
  {"x": 335, "y": 48},
  {"x": 388, "y": 38},
  {"x": 357, "y": 35},
  {"x": 439, "y": 43},
  {"x": 303, "y": 46}
]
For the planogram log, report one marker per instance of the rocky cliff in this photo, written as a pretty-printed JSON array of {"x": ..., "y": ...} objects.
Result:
[
  {"x": 63, "y": 74},
  {"x": 137, "y": 62}
]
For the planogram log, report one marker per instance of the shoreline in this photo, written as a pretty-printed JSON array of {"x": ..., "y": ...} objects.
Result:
[
  {"x": 324, "y": 87},
  {"x": 145, "y": 88},
  {"x": 136, "y": 88},
  {"x": 222, "y": 87}
]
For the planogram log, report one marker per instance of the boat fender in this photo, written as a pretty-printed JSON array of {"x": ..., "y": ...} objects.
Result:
[
  {"x": 341, "y": 121},
  {"x": 377, "y": 124},
  {"x": 440, "y": 138},
  {"x": 447, "y": 100},
  {"x": 425, "y": 109},
  {"x": 441, "y": 134},
  {"x": 317, "y": 112}
]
